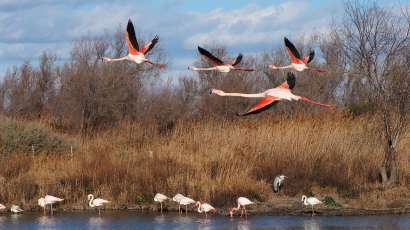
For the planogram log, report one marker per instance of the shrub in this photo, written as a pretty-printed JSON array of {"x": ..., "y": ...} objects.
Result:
[{"x": 22, "y": 137}]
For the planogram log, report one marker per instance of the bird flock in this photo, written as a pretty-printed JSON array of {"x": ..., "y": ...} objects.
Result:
[
  {"x": 181, "y": 200},
  {"x": 269, "y": 97},
  {"x": 137, "y": 54}
]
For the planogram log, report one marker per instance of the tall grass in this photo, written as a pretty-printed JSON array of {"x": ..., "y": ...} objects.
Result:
[{"x": 212, "y": 160}]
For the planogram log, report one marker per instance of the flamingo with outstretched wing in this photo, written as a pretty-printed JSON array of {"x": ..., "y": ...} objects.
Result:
[
  {"x": 298, "y": 62},
  {"x": 135, "y": 53},
  {"x": 271, "y": 96},
  {"x": 219, "y": 65}
]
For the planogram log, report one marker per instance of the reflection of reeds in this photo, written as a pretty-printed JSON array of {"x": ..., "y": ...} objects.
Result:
[{"x": 211, "y": 160}]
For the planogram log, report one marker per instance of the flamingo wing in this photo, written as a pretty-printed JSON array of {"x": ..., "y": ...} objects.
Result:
[
  {"x": 264, "y": 104},
  {"x": 148, "y": 47},
  {"x": 237, "y": 60},
  {"x": 293, "y": 52},
  {"x": 207, "y": 54},
  {"x": 309, "y": 58},
  {"x": 131, "y": 39},
  {"x": 290, "y": 82}
]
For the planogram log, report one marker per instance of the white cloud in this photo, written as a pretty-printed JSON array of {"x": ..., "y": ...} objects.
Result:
[{"x": 248, "y": 25}]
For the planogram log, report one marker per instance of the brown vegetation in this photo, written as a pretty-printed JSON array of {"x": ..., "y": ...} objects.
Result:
[
  {"x": 213, "y": 160},
  {"x": 134, "y": 134}
]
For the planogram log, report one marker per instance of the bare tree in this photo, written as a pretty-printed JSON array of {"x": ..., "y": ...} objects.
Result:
[{"x": 375, "y": 42}]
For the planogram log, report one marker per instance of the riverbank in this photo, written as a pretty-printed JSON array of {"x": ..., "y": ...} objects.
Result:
[
  {"x": 215, "y": 161},
  {"x": 283, "y": 206}
]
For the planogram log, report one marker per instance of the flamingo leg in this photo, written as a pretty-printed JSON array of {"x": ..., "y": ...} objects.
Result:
[
  {"x": 246, "y": 214},
  {"x": 99, "y": 211},
  {"x": 313, "y": 211},
  {"x": 44, "y": 209},
  {"x": 317, "y": 70},
  {"x": 186, "y": 209},
  {"x": 51, "y": 209},
  {"x": 161, "y": 207},
  {"x": 317, "y": 103},
  {"x": 161, "y": 66}
]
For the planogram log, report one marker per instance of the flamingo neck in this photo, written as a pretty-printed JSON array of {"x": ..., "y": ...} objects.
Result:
[
  {"x": 305, "y": 202},
  {"x": 199, "y": 207},
  {"x": 251, "y": 95},
  {"x": 90, "y": 203}
]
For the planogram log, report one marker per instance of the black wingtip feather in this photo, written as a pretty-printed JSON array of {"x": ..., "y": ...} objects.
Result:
[{"x": 291, "y": 80}]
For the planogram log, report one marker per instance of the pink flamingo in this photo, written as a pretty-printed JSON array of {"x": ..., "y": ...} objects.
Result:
[
  {"x": 271, "y": 96},
  {"x": 135, "y": 54},
  {"x": 220, "y": 65},
  {"x": 297, "y": 62}
]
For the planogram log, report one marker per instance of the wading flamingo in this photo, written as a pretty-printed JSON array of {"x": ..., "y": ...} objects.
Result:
[
  {"x": 312, "y": 201},
  {"x": 204, "y": 208},
  {"x": 278, "y": 182},
  {"x": 297, "y": 62},
  {"x": 220, "y": 65},
  {"x": 160, "y": 198},
  {"x": 97, "y": 202},
  {"x": 2, "y": 207},
  {"x": 15, "y": 209},
  {"x": 135, "y": 54},
  {"x": 186, "y": 201},
  {"x": 177, "y": 198},
  {"x": 242, "y": 203},
  {"x": 48, "y": 200},
  {"x": 271, "y": 96}
]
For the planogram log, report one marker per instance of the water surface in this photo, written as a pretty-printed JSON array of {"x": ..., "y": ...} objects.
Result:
[{"x": 135, "y": 220}]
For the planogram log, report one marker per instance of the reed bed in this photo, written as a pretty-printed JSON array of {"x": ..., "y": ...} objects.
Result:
[{"x": 211, "y": 160}]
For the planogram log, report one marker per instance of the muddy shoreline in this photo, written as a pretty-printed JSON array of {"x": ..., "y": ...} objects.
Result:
[{"x": 257, "y": 209}]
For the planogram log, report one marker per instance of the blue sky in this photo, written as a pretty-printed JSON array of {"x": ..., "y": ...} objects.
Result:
[{"x": 248, "y": 26}]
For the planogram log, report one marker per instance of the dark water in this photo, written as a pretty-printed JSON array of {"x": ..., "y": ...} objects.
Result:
[{"x": 134, "y": 220}]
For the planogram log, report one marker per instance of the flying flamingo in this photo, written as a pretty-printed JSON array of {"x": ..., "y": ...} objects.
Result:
[
  {"x": 97, "y": 202},
  {"x": 242, "y": 203},
  {"x": 271, "y": 96},
  {"x": 220, "y": 65},
  {"x": 44, "y": 201},
  {"x": 160, "y": 198},
  {"x": 312, "y": 201},
  {"x": 186, "y": 201},
  {"x": 297, "y": 62},
  {"x": 204, "y": 208},
  {"x": 135, "y": 54},
  {"x": 177, "y": 198}
]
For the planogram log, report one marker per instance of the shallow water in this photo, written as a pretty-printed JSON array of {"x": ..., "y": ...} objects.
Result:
[{"x": 135, "y": 220}]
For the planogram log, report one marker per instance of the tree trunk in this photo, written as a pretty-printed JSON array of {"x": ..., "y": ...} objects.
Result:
[{"x": 388, "y": 171}]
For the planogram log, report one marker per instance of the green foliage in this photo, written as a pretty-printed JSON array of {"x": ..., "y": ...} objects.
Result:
[
  {"x": 330, "y": 202},
  {"x": 140, "y": 199},
  {"x": 16, "y": 136}
]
